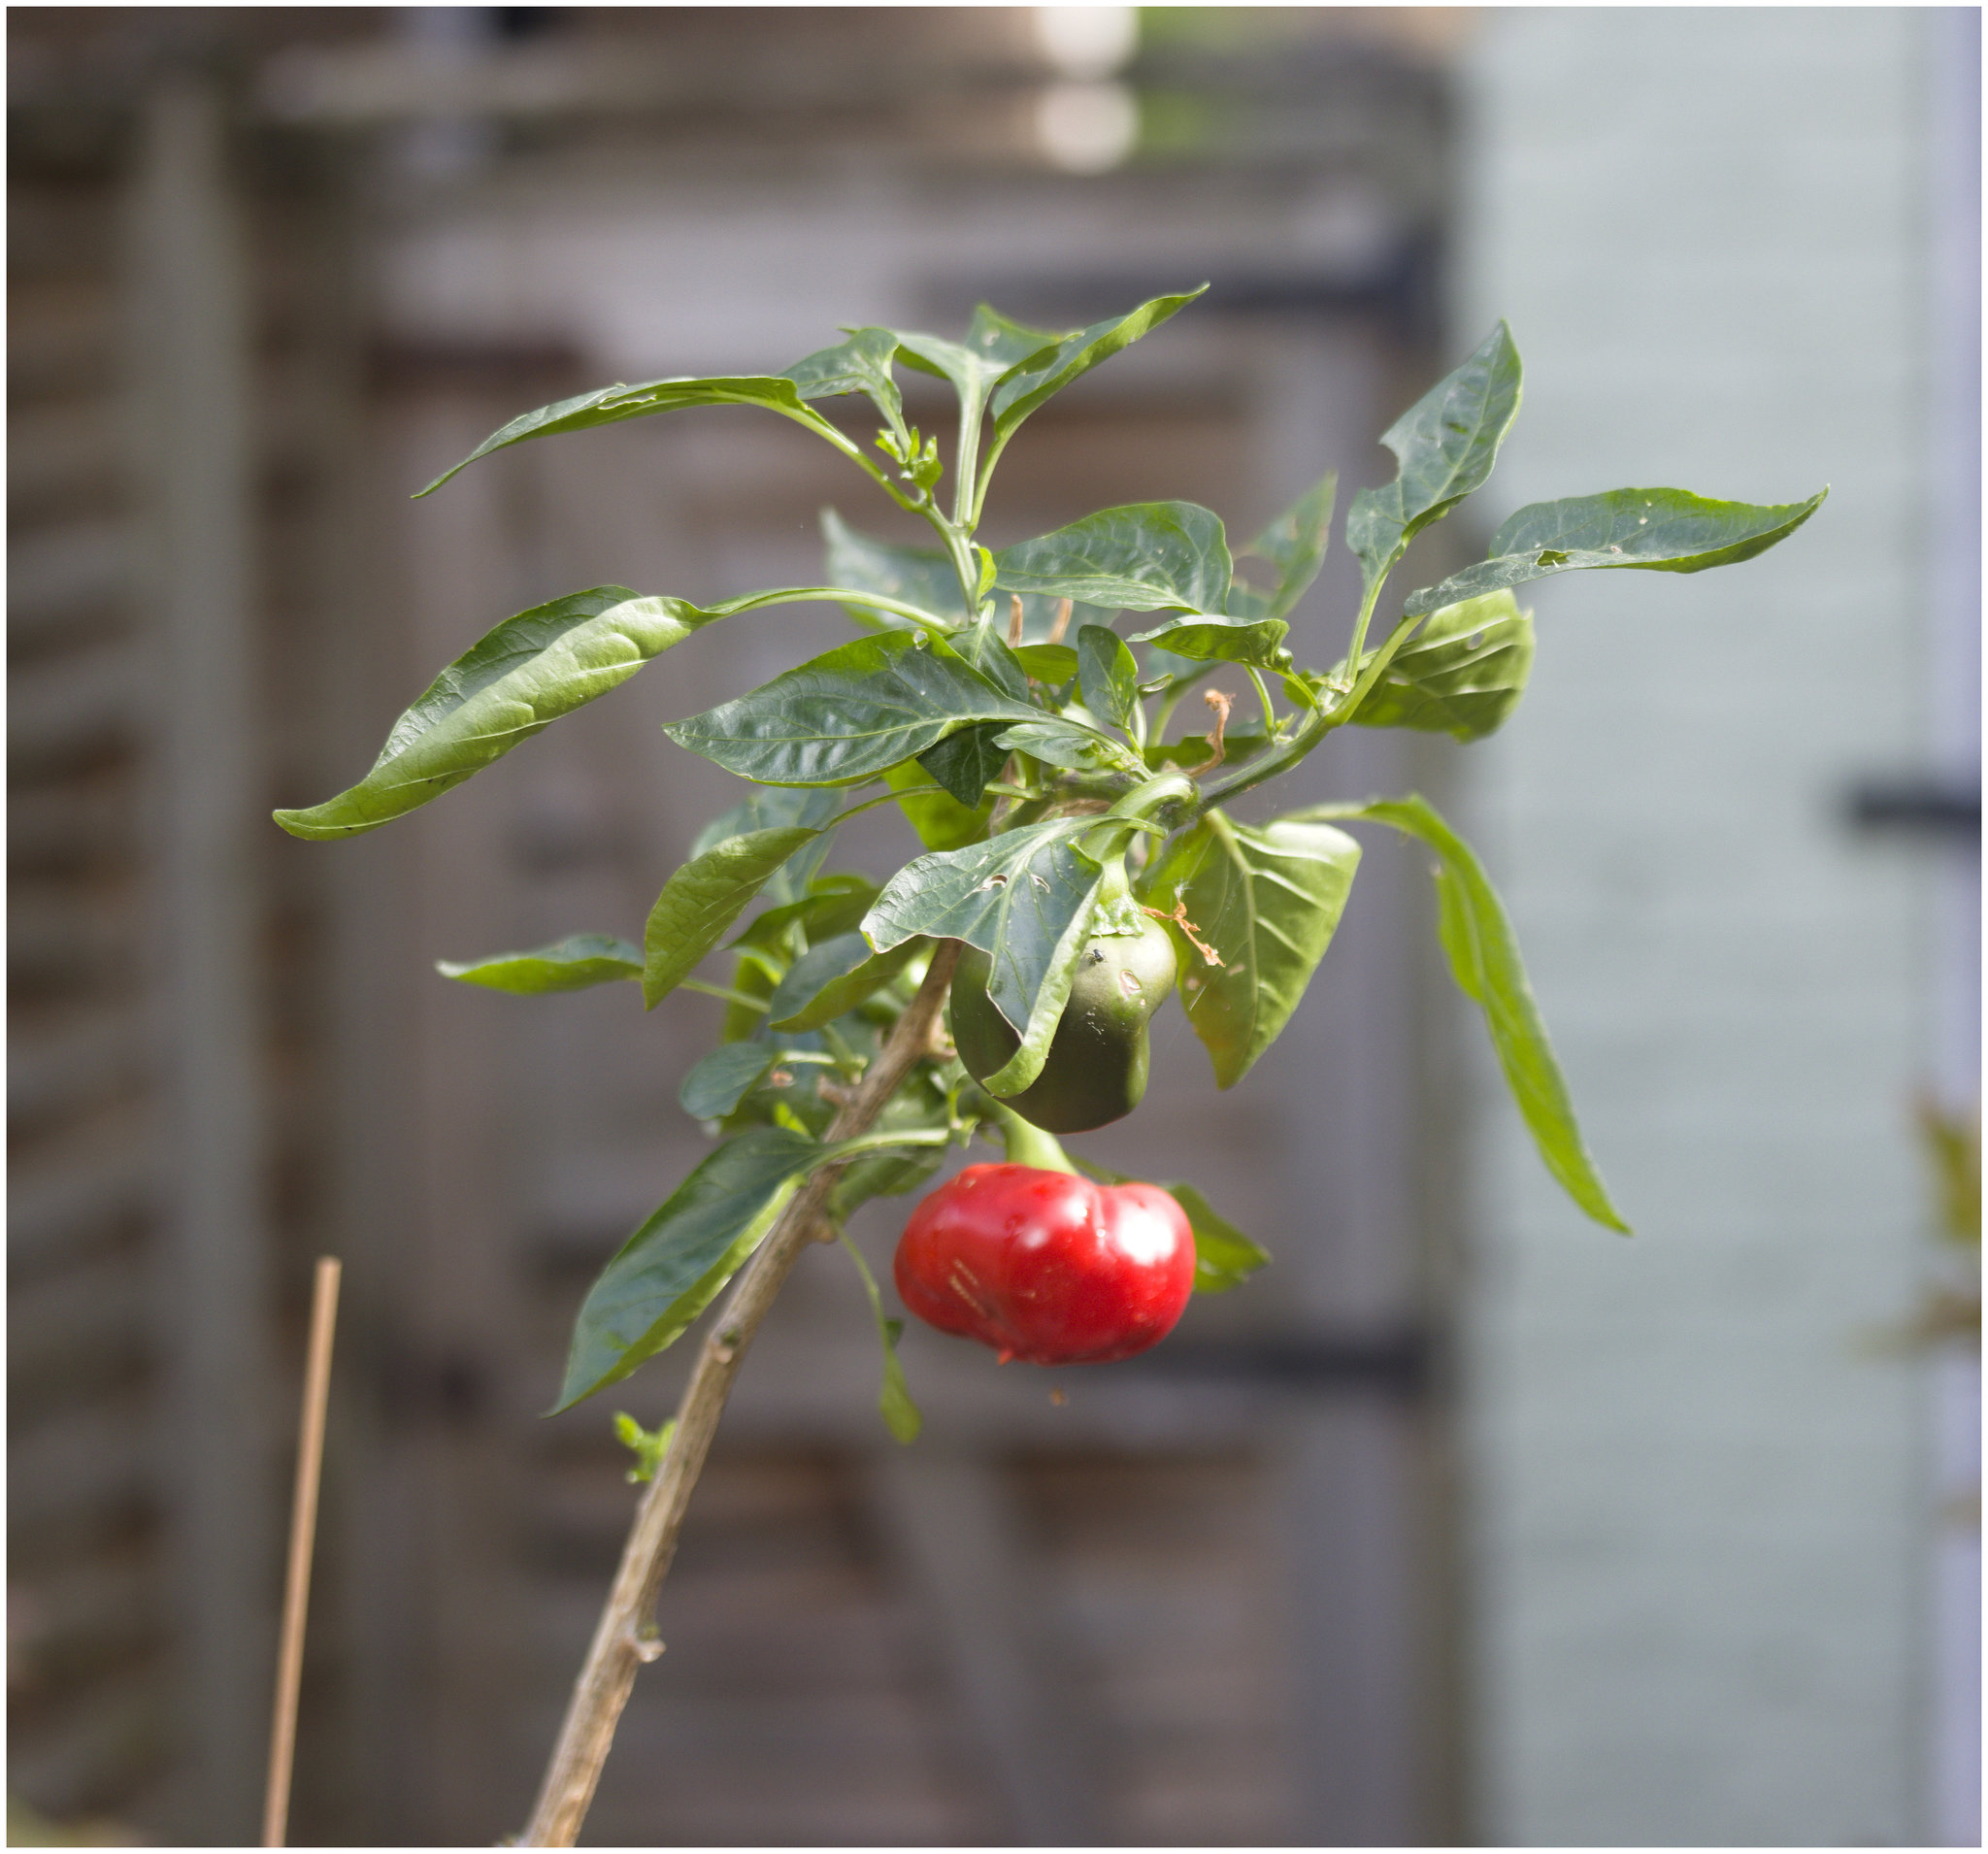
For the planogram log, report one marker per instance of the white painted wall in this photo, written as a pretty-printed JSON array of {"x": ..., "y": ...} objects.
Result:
[{"x": 1699, "y": 1516}]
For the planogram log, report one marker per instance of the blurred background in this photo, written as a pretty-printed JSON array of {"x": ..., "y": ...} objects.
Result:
[{"x": 1465, "y": 1523}]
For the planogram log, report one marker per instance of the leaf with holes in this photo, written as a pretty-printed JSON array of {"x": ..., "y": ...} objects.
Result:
[
  {"x": 1445, "y": 444},
  {"x": 1656, "y": 530},
  {"x": 1025, "y": 899},
  {"x": 1266, "y": 899}
]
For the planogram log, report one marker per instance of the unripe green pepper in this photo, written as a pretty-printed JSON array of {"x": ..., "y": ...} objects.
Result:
[{"x": 1096, "y": 1068}]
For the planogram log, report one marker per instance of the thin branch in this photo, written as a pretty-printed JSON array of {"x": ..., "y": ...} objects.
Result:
[{"x": 625, "y": 1636}]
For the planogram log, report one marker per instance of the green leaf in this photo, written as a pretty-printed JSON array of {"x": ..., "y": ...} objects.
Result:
[
  {"x": 941, "y": 820},
  {"x": 1033, "y": 379},
  {"x": 720, "y": 1080},
  {"x": 609, "y": 405},
  {"x": 572, "y": 965},
  {"x": 1058, "y": 741},
  {"x": 833, "y": 905},
  {"x": 1658, "y": 530},
  {"x": 1483, "y": 953},
  {"x": 1462, "y": 675},
  {"x": 1006, "y": 342},
  {"x": 1025, "y": 899},
  {"x": 702, "y": 899},
  {"x": 964, "y": 762},
  {"x": 524, "y": 674},
  {"x": 831, "y": 978},
  {"x": 859, "y": 365},
  {"x": 1108, "y": 674},
  {"x": 1053, "y": 664},
  {"x": 973, "y": 370},
  {"x": 674, "y": 1265},
  {"x": 923, "y": 576},
  {"x": 900, "y": 1413},
  {"x": 751, "y": 978},
  {"x": 774, "y": 807},
  {"x": 1223, "y": 1257},
  {"x": 1205, "y": 637},
  {"x": 1295, "y": 544},
  {"x": 981, "y": 646},
  {"x": 1457, "y": 934},
  {"x": 1267, "y": 899},
  {"x": 848, "y": 714},
  {"x": 1446, "y": 442},
  {"x": 1143, "y": 557}
]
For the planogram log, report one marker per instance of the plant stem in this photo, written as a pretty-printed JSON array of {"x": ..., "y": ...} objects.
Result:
[
  {"x": 624, "y": 1636},
  {"x": 1281, "y": 759},
  {"x": 725, "y": 992},
  {"x": 1269, "y": 714},
  {"x": 1026, "y": 1143},
  {"x": 959, "y": 549}
]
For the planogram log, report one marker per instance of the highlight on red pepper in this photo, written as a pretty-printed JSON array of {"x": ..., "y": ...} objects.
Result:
[{"x": 1044, "y": 1265}]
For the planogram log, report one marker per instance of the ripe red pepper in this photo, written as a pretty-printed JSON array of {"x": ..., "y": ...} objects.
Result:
[{"x": 1045, "y": 1266}]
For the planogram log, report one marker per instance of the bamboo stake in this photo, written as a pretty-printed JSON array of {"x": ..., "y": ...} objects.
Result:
[
  {"x": 290, "y": 1667},
  {"x": 626, "y": 1636}
]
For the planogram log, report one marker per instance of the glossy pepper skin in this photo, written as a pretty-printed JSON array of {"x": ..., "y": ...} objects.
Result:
[
  {"x": 1046, "y": 1265},
  {"x": 1096, "y": 1069}
]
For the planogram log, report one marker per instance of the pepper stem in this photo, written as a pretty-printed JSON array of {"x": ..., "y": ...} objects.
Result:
[{"x": 1027, "y": 1144}]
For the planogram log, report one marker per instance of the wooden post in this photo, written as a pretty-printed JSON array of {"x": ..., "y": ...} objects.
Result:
[{"x": 193, "y": 364}]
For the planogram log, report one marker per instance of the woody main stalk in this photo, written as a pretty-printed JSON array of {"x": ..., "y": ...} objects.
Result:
[{"x": 624, "y": 1637}]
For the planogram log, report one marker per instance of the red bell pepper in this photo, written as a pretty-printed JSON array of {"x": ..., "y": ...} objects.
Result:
[{"x": 1044, "y": 1265}]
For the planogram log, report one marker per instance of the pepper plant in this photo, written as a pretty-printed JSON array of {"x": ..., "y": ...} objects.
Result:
[{"x": 1065, "y": 816}]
